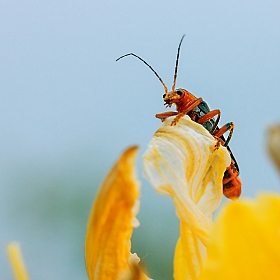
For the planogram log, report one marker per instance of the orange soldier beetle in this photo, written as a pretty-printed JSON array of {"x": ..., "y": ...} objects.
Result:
[{"x": 198, "y": 110}]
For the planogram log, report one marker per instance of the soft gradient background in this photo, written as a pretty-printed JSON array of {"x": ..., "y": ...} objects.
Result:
[{"x": 67, "y": 110}]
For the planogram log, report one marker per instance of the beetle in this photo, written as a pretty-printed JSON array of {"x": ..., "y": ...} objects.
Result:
[{"x": 198, "y": 110}]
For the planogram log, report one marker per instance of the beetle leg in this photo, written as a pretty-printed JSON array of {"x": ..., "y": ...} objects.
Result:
[
  {"x": 164, "y": 115},
  {"x": 178, "y": 117},
  {"x": 191, "y": 106},
  {"x": 208, "y": 116},
  {"x": 227, "y": 127}
]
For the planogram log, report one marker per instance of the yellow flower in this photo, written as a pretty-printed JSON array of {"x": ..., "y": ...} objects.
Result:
[
  {"x": 182, "y": 161},
  {"x": 185, "y": 163},
  {"x": 245, "y": 241}
]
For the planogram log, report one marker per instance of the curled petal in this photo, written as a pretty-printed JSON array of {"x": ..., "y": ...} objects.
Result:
[
  {"x": 184, "y": 162},
  {"x": 107, "y": 246},
  {"x": 245, "y": 241}
]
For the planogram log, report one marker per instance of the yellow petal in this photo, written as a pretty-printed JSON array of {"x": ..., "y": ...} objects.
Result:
[
  {"x": 245, "y": 242},
  {"x": 16, "y": 259},
  {"x": 182, "y": 161},
  {"x": 107, "y": 246},
  {"x": 273, "y": 144}
]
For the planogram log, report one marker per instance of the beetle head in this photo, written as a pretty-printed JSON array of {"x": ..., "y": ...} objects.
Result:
[
  {"x": 178, "y": 97},
  {"x": 173, "y": 97}
]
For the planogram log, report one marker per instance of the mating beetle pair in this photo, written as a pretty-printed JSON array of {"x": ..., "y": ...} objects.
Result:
[{"x": 198, "y": 110}]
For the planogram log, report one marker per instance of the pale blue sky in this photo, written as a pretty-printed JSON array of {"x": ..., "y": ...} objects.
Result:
[{"x": 68, "y": 108}]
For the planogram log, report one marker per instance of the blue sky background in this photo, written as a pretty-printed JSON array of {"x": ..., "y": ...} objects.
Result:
[{"x": 67, "y": 110}]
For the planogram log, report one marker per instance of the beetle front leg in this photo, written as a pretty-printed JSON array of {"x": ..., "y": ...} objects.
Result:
[
  {"x": 178, "y": 117},
  {"x": 164, "y": 115},
  {"x": 184, "y": 112}
]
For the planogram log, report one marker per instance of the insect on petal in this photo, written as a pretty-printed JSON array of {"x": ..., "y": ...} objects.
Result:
[
  {"x": 184, "y": 162},
  {"x": 107, "y": 246}
]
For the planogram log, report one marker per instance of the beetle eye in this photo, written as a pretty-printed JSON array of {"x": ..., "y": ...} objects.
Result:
[
  {"x": 164, "y": 95},
  {"x": 179, "y": 92}
]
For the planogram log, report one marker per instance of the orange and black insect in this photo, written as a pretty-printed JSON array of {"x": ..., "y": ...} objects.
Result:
[{"x": 198, "y": 110}]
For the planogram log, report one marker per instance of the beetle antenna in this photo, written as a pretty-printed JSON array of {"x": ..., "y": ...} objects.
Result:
[
  {"x": 176, "y": 66},
  {"x": 165, "y": 87}
]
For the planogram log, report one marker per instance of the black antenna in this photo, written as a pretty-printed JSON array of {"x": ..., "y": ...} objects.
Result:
[
  {"x": 176, "y": 66},
  {"x": 165, "y": 87}
]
